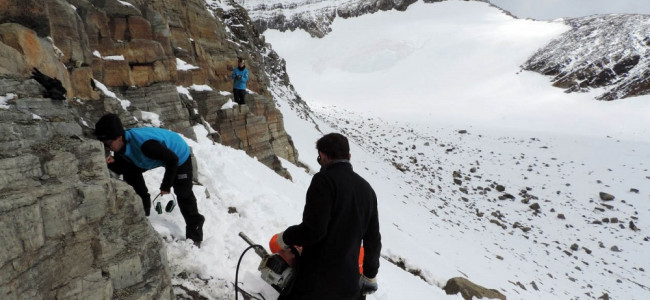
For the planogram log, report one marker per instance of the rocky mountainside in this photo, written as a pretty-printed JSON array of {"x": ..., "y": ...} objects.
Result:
[
  {"x": 609, "y": 52},
  {"x": 315, "y": 17},
  {"x": 599, "y": 51},
  {"x": 69, "y": 229}
]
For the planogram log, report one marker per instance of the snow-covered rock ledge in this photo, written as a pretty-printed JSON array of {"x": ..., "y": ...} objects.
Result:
[{"x": 602, "y": 51}]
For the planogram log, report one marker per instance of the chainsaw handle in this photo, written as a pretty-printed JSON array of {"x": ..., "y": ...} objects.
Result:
[
  {"x": 245, "y": 238},
  {"x": 258, "y": 248}
]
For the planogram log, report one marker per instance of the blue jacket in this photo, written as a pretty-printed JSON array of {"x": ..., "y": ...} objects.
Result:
[
  {"x": 240, "y": 84},
  {"x": 137, "y": 136}
]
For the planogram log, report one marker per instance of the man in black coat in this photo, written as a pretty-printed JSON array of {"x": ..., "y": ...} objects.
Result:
[{"x": 340, "y": 212}]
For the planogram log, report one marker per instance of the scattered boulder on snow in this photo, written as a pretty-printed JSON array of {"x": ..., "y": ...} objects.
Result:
[
  {"x": 400, "y": 167},
  {"x": 468, "y": 289},
  {"x": 493, "y": 221},
  {"x": 521, "y": 227},
  {"x": 633, "y": 190},
  {"x": 500, "y": 188},
  {"x": 610, "y": 207},
  {"x": 606, "y": 197},
  {"x": 506, "y": 196}
]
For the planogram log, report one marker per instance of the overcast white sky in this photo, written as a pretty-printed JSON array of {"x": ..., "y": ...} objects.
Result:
[{"x": 552, "y": 9}]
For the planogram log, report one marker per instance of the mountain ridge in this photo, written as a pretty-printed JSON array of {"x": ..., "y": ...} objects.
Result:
[
  {"x": 58, "y": 196},
  {"x": 604, "y": 51}
]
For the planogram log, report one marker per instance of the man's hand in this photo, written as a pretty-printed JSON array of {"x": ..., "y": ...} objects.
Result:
[
  {"x": 238, "y": 77},
  {"x": 288, "y": 256},
  {"x": 110, "y": 159},
  {"x": 367, "y": 285}
]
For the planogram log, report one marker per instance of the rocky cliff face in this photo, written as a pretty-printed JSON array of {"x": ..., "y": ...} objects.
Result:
[
  {"x": 316, "y": 16},
  {"x": 68, "y": 229},
  {"x": 140, "y": 51},
  {"x": 608, "y": 52}
]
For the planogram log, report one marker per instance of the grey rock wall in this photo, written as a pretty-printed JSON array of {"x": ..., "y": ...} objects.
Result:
[{"x": 68, "y": 230}]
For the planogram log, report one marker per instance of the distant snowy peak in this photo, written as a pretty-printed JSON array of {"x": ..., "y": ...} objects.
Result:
[
  {"x": 315, "y": 16},
  {"x": 610, "y": 51}
]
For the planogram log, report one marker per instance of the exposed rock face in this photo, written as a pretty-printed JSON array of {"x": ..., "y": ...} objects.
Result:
[
  {"x": 315, "y": 17},
  {"x": 264, "y": 136},
  {"x": 599, "y": 51},
  {"x": 68, "y": 230},
  {"x": 249, "y": 127},
  {"x": 134, "y": 49}
]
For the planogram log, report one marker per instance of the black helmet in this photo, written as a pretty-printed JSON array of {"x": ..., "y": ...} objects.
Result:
[{"x": 109, "y": 127}]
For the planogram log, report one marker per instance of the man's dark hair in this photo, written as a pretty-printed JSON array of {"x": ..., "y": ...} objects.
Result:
[
  {"x": 109, "y": 127},
  {"x": 334, "y": 145}
]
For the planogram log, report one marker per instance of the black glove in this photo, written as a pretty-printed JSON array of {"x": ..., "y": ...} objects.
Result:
[
  {"x": 238, "y": 77},
  {"x": 281, "y": 242},
  {"x": 367, "y": 285}
]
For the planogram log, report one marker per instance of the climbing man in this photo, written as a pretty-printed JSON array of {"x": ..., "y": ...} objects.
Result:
[
  {"x": 340, "y": 213},
  {"x": 240, "y": 77},
  {"x": 138, "y": 150}
]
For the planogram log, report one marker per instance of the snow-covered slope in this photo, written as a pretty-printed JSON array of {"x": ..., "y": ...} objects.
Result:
[
  {"x": 482, "y": 171},
  {"x": 610, "y": 51},
  {"x": 418, "y": 78}
]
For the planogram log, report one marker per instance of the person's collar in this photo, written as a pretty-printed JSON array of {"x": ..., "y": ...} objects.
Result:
[{"x": 335, "y": 162}]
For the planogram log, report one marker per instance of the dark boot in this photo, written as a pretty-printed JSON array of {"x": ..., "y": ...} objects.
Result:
[
  {"x": 146, "y": 203},
  {"x": 194, "y": 231}
]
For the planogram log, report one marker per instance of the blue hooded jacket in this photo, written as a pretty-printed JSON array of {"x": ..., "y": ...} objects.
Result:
[
  {"x": 137, "y": 136},
  {"x": 240, "y": 84}
]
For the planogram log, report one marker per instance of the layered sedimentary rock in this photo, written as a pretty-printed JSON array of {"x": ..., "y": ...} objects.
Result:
[{"x": 69, "y": 230}]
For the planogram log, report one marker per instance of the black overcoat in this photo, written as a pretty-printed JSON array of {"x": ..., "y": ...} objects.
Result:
[{"x": 340, "y": 213}]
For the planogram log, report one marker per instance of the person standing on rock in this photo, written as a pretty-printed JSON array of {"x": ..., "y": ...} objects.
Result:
[
  {"x": 340, "y": 213},
  {"x": 141, "y": 149},
  {"x": 240, "y": 77}
]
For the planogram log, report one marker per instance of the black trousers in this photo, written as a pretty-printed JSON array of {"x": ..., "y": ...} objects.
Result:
[
  {"x": 182, "y": 188},
  {"x": 239, "y": 96}
]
